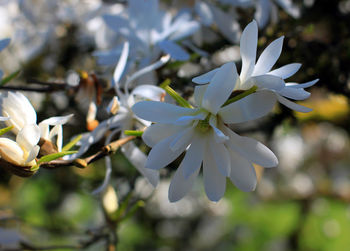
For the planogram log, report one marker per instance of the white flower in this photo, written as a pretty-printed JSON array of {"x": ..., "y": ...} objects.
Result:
[
  {"x": 202, "y": 131},
  {"x": 20, "y": 112},
  {"x": 124, "y": 118},
  {"x": 3, "y": 44},
  {"x": 259, "y": 73},
  {"x": 149, "y": 31},
  {"x": 24, "y": 150}
]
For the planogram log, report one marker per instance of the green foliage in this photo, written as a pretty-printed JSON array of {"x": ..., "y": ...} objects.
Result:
[
  {"x": 53, "y": 156},
  {"x": 5, "y": 130},
  {"x": 7, "y": 79}
]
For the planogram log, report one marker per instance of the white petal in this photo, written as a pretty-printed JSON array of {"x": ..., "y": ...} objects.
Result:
[
  {"x": 204, "y": 12},
  {"x": 214, "y": 181},
  {"x": 242, "y": 172},
  {"x": 161, "y": 154},
  {"x": 186, "y": 120},
  {"x": 251, "y": 149},
  {"x": 28, "y": 137},
  {"x": 4, "y": 118},
  {"x": 220, "y": 87},
  {"x": 4, "y": 43},
  {"x": 206, "y": 77},
  {"x": 11, "y": 151},
  {"x": 289, "y": 7},
  {"x": 180, "y": 185},
  {"x": 249, "y": 108},
  {"x": 198, "y": 94},
  {"x": 294, "y": 93},
  {"x": 150, "y": 92},
  {"x": 160, "y": 112},
  {"x": 248, "y": 46},
  {"x": 269, "y": 57},
  {"x": 119, "y": 69},
  {"x": 108, "y": 164},
  {"x": 175, "y": 51},
  {"x": 219, "y": 136},
  {"x": 60, "y": 120},
  {"x": 33, "y": 153},
  {"x": 292, "y": 105},
  {"x": 185, "y": 30},
  {"x": 221, "y": 157},
  {"x": 262, "y": 12},
  {"x": 181, "y": 139},
  {"x": 19, "y": 109},
  {"x": 57, "y": 130},
  {"x": 138, "y": 159},
  {"x": 268, "y": 82},
  {"x": 157, "y": 132},
  {"x": 286, "y": 71},
  {"x": 227, "y": 24},
  {"x": 304, "y": 85},
  {"x": 194, "y": 156}
]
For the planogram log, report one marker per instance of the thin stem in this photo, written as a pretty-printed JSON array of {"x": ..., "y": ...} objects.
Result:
[
  {"x": 240, "y": 96},
  {"x": 182, "y": 102}
]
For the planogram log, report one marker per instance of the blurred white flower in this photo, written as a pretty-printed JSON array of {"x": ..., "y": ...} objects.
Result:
[
  {"x": 203, "y": 132},
  {"x": 124, "y": 118},
  {"x": 149, "y": 32},
  {"x": 259, "y": 73}
]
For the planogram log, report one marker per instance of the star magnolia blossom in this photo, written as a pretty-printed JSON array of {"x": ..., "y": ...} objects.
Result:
[
  {"x": 124, "y": 118},
  {"x": 205, "y": 135},
  {"x": 149, "y": 32},
  {"x": 20, "y": 113},
  {"x": 260, "y": 74}
]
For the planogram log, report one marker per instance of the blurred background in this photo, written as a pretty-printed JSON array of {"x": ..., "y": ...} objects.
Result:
[{"x": 303, "y": 204}]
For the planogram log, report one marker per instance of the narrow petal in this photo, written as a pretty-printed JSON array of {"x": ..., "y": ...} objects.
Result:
[
  {"x": 33, "y": 153},
  {"x": 181, "y": 139},
  {"x": 157, "y": 132},
  {"x": 11, "y": 151},
  {"x": 186, "y": 30},
  {"x": 269, "y": 57},
  {"x": 221, "y": 157},
  {"x": 220, "y": 87},
  {"x": 160, "y": 112},
  {"x": 105, "y": 183},
  {"x": 150, "y": 92},
  {"x": 199, "y": 94},
  {"x": 269, "y": 82},
  {"x": 292, "y": 105},
  {"x": 186, "y": 120},
  {"x": 194, "y": 156},
  {"x": 219, "y": 136},
  {"x": 206, "y": 77},
  {"x": 242, "y": 172},
  {"x": 161, "y": 154},
  {"x": 214, "y": 181},
  {"x": 138, "y": 159},
  {"x": 204, "y": 12},
  {"x": 249, "y": 108},
  {"x": 175, "y": 51},
  {"x": 286, "y": 71},
  {"x": 251, "y": 149},
  {"x": 57, "y": 131},
  {"x": 304, "y": 85},
  {"x": 119, "y": 69},
  {"x": 28, "y": 137},
  {"x": 248, "y": 45},
  {"x": 262, "y": 12},
  {"x": 180, "y": 185},
  {"x": 294, "y": 93},
  {"x": 60, "y": 120}
]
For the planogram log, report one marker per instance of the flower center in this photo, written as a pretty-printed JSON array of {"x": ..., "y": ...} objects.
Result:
[{"x": 203, "y": 125}]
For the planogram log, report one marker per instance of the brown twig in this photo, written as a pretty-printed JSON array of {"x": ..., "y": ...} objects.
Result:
[{"x": 82, "y": 163}]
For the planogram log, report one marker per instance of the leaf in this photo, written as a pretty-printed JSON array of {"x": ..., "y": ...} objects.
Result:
[
  {"x": 5, "y": 130},
  {"x": 10, "y": 77},
  {"x": 53, "y": 156},
  {"x": 72, "y": 143}
]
